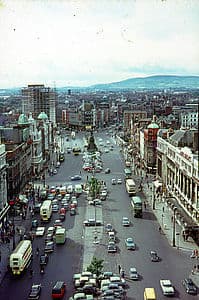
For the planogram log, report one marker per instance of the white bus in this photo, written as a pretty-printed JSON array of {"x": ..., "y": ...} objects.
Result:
[
  {"x": 20, "y": 257},
  {"x": 46, "y": 210},
  {"x": 130, "y": 187},
  {"x": 78, "y": 189}
]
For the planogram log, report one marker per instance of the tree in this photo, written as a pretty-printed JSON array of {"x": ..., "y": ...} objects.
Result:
[{"x": 96, "y": 266}]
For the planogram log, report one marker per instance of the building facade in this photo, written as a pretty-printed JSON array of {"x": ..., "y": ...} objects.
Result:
[
  {"x": 37, "y": 98},
  {"x": 177, "y": 168},
  {"x": 4, "y": 207}
]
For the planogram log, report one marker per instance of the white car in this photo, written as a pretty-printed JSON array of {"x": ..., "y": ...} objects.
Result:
[
  {"x": 119, "y": 181},
  {"x": 133, "y": 274},
  {"x": 113, "y": 181},
  {"x": 125, "y": 221},
  {"x": 167, "y": 287},
  {"x": 40, "y": 231}
]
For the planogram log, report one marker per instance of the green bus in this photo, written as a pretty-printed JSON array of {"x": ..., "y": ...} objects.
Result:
[
  {"x": 60, "y": 235},
  {"x": 128, "y": 173},
  {"x": 136, "y": 203}
]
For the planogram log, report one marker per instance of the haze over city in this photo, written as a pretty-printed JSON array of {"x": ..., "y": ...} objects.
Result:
[{"x": 81, "y": 43}]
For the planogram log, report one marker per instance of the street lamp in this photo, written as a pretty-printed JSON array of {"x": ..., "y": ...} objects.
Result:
[
  {"x": 162, "y": 220},
  {"x": 174, "y": 226},
  {"x": 153, "y": 195}
]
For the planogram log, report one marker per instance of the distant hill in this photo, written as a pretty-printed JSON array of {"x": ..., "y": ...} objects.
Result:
[{"x": 152, "y": 82}]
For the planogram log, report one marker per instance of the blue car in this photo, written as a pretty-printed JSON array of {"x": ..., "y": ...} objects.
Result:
[{"x": 76, "y": 177}]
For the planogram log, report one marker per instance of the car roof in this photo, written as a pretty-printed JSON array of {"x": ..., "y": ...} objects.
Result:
[{"x": 58, "y": 284}]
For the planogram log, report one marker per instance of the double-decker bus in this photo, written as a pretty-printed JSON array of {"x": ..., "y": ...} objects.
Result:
[
  {"x": 130, "y": 187},
  {"x": 21, "y": 257},
  {"x": 128, "y": 173},
  {"x": 136, "y": 203},
  {"x": 60, "y": 235},
  {"x": 46, "y": 210}
]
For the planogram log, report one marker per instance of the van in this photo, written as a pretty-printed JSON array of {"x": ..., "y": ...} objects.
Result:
[
  {"x": 111, "y": 235},
  {"x": 149, "y": 294},
  {"x": 58, "y": 290}
]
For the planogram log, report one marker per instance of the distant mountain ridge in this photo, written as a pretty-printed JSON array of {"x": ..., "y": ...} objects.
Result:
[
  {"x": 156, "y": 82},
  {"x": 153, "y": 82}
]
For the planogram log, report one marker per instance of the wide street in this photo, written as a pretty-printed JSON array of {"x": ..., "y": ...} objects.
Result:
[{"x": 67, "y": 259}]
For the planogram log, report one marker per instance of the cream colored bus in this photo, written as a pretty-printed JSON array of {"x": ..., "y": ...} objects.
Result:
[{"x": 20, "y": 257}]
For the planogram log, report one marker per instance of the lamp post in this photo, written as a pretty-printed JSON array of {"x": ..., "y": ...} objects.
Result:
[
  {"x": 162, "y": 220},
  {"x": 174, "y": 226},
  {"x": 153, "y": 195}
]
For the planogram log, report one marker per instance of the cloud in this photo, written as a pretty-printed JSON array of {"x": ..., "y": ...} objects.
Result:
[{"x": 94, "y": 41}]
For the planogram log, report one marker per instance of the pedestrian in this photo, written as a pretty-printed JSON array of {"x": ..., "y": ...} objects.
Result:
[
  {"x": 119, "y": 268},
  {"x": 31, "y": 272},
  {"x": 144, "y": 205},
  {"x": 159, "y": 229},
  {"x": 163, "y": 209}
]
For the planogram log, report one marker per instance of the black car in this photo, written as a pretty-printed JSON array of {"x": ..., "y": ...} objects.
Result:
[
  {"x": 190, "y": 286},
  {"x": 154, "y": 256},
  {"x": 107, "y": 171},
  {"x": 49, "y": 247},
  {"x": 62, "y": 217},
  {"x": 37, "y": 207},
  {"x": 43, "y": 259},
  {"x": 72, "y": 212},
  {"x": 35, "y": 292},
  {"x": 88, "y": 289}
]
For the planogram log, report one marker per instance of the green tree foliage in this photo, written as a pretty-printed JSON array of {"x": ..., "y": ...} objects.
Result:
[{"x": 96, "y": 266}]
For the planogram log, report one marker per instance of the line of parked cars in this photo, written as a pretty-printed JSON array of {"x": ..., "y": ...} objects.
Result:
[{"x": 105, "y": 286}]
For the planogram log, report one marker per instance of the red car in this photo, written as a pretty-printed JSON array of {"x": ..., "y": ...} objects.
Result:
[{"x": 58, "y": 290}]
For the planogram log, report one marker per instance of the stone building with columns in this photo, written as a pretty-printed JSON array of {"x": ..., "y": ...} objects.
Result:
[{"x": 177, "y": 168}]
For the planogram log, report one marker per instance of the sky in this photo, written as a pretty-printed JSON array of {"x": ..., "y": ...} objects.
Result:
[{"x": 84, "y": 42}]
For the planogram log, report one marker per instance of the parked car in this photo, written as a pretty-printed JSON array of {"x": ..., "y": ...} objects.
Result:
[
  {"x": 49, "y": 237},
  {"x": 190, "y": 286},
  {"x": 35, "y": 292},
  {"x": 92, "y": 222},
  {"x": 167, "y": 287}
]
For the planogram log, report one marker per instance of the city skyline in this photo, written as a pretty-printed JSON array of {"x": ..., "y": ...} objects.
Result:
[{"x": 80, "y": 43}]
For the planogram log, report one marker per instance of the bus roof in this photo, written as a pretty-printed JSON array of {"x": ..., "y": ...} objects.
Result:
[
  {"x": 22, "y": 246},
  {"x": 60, "y": 230},
  {"x": 46, "y": 203},
  {"x": 130, "y": 181}
]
